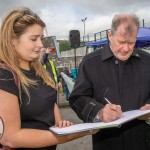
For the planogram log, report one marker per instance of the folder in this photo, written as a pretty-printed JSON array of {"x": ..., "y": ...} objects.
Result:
[{"x": 76, "y": 128}]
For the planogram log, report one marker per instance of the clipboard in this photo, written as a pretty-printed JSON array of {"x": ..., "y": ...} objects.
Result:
[{"x": 127, "y": 116}]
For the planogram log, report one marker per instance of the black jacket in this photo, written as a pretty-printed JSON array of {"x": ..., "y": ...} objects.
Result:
[{"x": 124, "y": 83}]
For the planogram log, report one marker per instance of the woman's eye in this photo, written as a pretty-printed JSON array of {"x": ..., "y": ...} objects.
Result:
[{"x": 33, "y": 39}]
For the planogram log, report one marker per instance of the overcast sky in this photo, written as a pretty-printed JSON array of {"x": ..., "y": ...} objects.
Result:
[{"x": 61, "y": 16}]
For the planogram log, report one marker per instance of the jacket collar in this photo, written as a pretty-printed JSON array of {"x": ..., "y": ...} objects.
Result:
[
  {"x": 106, "y": 53},
  {"x": 136, "y": 53}
]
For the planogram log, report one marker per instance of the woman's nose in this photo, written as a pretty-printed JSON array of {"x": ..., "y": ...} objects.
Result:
[{"x": 40, "y": 44}]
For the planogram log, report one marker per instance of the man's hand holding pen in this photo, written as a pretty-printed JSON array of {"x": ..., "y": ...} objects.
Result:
[{"x": 110, "y": 112}]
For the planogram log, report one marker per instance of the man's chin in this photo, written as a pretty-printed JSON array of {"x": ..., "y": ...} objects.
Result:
[{"x": 123, "y": 58}]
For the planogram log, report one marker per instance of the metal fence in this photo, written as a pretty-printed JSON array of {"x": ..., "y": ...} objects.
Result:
[{"x": 103, "y": 35}]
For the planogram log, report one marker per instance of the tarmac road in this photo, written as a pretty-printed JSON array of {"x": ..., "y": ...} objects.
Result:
[{"x": 84, "y": 143}]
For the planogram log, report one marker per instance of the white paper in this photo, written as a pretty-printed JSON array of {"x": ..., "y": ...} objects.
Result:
[{"x": 126, "y": 117}]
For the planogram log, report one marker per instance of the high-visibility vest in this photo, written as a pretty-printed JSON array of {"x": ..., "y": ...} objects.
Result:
[{"x": 53, "y": 70}]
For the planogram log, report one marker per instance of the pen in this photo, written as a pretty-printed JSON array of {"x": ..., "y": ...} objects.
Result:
[
  {"x": 107, "y": 100},
  {"x": 109, "y": 103}
]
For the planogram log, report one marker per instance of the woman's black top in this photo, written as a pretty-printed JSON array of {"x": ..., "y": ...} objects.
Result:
[{"x": 38, "y": 111}]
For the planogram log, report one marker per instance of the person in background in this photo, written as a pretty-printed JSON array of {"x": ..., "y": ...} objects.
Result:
[
  {"x": 119, "y": 73},
  {"x": 28, "y": 107},
  {"x": 50, "y": 66},
  {"x": 64, "y": 84}
]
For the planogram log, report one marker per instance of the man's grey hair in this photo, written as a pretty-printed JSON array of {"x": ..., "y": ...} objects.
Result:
[{"x": 132, "y": 21}]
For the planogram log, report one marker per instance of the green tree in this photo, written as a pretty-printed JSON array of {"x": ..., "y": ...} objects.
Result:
[{"x": 64, "y": 45}]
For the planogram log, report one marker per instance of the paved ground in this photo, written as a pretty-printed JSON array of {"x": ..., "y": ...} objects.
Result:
[{"x": 84, "y": 143}]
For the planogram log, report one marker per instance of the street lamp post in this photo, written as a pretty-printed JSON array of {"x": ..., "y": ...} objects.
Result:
[{"x": 83, "y": 20}]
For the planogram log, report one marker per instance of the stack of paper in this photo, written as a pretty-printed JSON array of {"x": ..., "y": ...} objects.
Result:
[{"x": 126, "y": 117}]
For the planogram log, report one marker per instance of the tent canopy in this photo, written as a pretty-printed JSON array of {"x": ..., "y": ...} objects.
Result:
[{"x": 143, "y": 39}]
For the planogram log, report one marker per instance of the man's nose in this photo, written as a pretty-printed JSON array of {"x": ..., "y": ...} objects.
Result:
[{"x": 126, "y": 47}]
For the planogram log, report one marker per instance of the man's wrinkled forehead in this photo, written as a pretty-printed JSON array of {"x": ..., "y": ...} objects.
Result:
[{"x": 127, "y": 29}]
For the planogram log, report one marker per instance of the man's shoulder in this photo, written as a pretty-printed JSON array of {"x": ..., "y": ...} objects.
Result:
[
  {"x": 91, "y": 56},
  {"x": 143, "y": 53}
]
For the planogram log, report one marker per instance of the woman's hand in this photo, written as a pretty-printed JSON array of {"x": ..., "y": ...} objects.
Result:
[
  {"x": 145, "y": 117},
  {"x": 63, "y": 123}
]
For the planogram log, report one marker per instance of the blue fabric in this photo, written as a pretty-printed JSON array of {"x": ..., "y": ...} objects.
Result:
[{"x": 97, "y": 43}]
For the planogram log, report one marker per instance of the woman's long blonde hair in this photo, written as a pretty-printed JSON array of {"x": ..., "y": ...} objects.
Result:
[{"x": 13, "y": 26}]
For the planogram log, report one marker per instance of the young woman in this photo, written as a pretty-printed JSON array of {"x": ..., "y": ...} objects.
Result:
[{"x": 28, "y": 107}]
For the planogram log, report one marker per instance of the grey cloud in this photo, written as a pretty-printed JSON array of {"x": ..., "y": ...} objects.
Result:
[
  {"x": 89, "y": 6},
  {"x": 64, "y": 15},
  {"x": 110, "y": 6}
]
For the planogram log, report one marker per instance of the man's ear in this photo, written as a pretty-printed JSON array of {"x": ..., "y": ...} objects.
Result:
[{"x": 109, "y": 35}]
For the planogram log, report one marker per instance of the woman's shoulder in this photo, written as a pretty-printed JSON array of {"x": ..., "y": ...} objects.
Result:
[
  {"x": 7, "y": 81},
  {"x": 6, "y": 73}
]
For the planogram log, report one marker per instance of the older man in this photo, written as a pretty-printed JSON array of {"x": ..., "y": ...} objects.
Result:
[{"x": 118, "y": 73}]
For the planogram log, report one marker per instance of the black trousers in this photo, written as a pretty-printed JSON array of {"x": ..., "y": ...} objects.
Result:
[{"x": 148, "y": 135}]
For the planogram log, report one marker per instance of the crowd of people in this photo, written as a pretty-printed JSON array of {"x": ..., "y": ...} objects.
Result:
[
  {"x": 49, "y": 65},
  {"x": 29, "y": 85}
]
